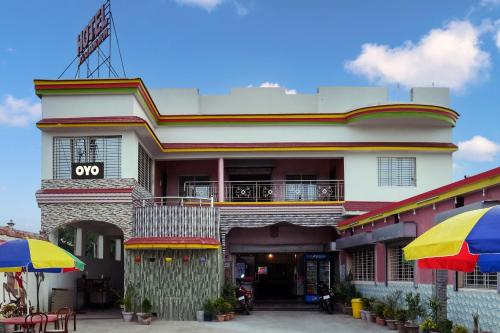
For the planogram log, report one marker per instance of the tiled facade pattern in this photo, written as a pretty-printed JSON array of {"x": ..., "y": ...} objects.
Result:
[
  {"x": 462, "y": 304},
  {"x": 178, "y": 288}
]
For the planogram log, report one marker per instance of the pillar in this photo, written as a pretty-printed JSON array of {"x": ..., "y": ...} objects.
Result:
[{"x": 221, "y": 180}]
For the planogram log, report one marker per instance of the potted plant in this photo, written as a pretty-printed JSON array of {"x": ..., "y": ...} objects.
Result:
[
  {"x": 365, "y": 310},
  {"x": 460, "y": 329},
  {"x": 126, "y": 304},
  {"x": 475, "y": 321},
  {"x": 415, "y": 310},
  {"x": 378, "y": 308},
  {"x": 145, "y": 316},
  {"x": 401, "y": 318},
  {"x": 391, "y": 305},
  {"x": 209, "y": 310},
  {"x": 429, "y": 326},
  {"x": 219, "y": 309},
  {"x": 229, "y": 294},
  {"x": 371, "y": 316},
  {"x": 445, "y": 326}
]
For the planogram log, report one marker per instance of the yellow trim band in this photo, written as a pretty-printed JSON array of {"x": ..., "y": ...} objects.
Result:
[{"x": 447, "y": 195}]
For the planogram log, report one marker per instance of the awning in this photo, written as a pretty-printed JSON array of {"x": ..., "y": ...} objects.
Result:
[
  {"x": 395, "y": 232},
  {"x": 362, "y": 239},
  {"x": 179, "y": 243}
]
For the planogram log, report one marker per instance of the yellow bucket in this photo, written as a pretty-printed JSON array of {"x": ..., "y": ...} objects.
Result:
[{"x": 357, "y": 306}]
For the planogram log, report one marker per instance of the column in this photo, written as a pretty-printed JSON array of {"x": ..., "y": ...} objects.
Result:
[{"x": 221, "y": 180}]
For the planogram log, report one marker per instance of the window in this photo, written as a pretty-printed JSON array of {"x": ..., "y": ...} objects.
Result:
[
  {"x": 363, "y": 265},
  {"x": 86, "y": 150},
  {"x": 397, "y": 171},
  {"x": 399, "y": 269},
  {"x": 195, "y": 186},
  {"x": 480, "y": 280},
  {"x": 66, "y": 239},
  {"x": 91, "y": 245},
  {"x": 300, "y": 187},
  {"x": 145, "y": 166}
]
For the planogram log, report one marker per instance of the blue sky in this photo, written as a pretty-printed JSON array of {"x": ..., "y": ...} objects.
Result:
[{"x": 218, "y": 44}]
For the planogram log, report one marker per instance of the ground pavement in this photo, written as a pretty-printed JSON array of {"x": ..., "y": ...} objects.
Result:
[{"x": 257, "y": 322}]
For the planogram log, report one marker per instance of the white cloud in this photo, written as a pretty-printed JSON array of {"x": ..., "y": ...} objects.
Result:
[
  {"x": 477, "y": 149},
  {"x": 10, "y": 49},
  {"x": 451, "y": 57},
  {"x": 277, "y": 85},
  {"x": 241, "y": 10},
  {"x": 19, "y": 112},
  {"x": 208, "y": 5},
  {"x": 490, "y": 3}
]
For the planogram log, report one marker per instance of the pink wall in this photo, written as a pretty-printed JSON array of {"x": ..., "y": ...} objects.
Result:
[
  {"x": 425, "y": 219},
  {"x": 287, "y": 235},
  {"x": 283, "y": 167},
  {"x": 175, "y": 169}
]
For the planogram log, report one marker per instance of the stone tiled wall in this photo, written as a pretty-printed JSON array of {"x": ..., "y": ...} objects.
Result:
[
  {"x": 462, "y": 304},
  {"x": 177, "y": 289},
  {"x": 55, "y": 215}
]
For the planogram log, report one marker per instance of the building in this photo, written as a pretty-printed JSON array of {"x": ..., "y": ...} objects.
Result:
[
  {"x": 371, "y": 249},
  {"x": 125, "y": 164}
]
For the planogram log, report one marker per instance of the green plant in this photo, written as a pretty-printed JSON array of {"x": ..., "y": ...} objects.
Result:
[
  {"x": 415, "y": 308},
  {"x": 392, "y": 303},
  {"x": 228, "y": 307},
  {"x": 127, "y": 298},
  {"x": 209, "y": 307},
  {"x": 400, "y": 315},
  {"x": 445, "y": 326},
  {"x": 345, "y": 291},
  {"x": 435, "y": 307},
  {"x": 229, "y": 293},
  {"x": 475, "y": 320},
  {"x": 428, "y": 325},
  {"x": 460, "y": 329},
  {"x": 146, "y": 306},
  {"x": 367, "y": 303},
  {"x": 220, "y": 305},
  {"x": 378, "y": 308}
]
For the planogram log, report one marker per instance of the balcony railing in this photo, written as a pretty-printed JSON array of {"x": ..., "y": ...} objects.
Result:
[{"x": 262, "y": 191}]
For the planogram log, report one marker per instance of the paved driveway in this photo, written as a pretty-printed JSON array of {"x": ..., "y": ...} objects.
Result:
[{"x": 262, "y": 322}]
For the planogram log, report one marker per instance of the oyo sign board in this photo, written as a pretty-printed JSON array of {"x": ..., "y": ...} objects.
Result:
[
  {"x": 87, "y": 170},
  {"x": 93, "y": 34}
]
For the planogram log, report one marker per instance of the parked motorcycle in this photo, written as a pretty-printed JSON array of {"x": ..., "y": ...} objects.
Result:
[
  {"x": 326, "y": 298},
  {"x": 244, "y": 297}
]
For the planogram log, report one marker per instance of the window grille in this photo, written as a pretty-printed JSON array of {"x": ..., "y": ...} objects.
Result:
[
  {"x": 144, "y": 169},
  {"x": 480, "y": 280},
  {"x": 399, "y": 269},
  {"x": 363, "y": 265},
  {"x": 69, "y": 150},
  {"x": 397, "y": 171}
]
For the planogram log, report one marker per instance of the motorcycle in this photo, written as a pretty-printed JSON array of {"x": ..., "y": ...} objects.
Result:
[
  {"x": 244, "y": 297},
  {"x": 326, "y": 298}
]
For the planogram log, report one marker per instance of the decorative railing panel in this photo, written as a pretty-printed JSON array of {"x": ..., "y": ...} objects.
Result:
[
  {"x": 176, "y": 221},
  {"x": 262, "y": 191}
]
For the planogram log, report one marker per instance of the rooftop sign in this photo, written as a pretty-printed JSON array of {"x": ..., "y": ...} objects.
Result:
[{"x": 96, "y": 31}]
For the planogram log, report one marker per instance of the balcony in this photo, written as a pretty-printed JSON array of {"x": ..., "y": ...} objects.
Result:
[{"x": 268, "y": 191}]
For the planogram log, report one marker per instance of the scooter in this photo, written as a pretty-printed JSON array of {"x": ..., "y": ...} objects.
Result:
[
  {"x": 326, "y": 298},
  {"x": 244, "y": 297}
]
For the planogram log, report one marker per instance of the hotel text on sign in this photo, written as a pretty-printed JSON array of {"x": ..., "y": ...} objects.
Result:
[
  {"x": 93, "y": 34},
  {"x": 87, "y": 170}
]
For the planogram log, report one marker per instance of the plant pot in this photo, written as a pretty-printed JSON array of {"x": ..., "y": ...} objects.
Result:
[
  {"x": 207, "y": 316},
  {"x": 372, "y": 317},
  {"x": 200, "y": 315},
  {"x": 227, "y": 317},
  {"x": 220, "y": 317},
  {"x": 348, "y": 310},
  {"x": 231, "y": 315},
  {"x": 411, "y": 328},
  {"x": 380, "y": 321},
  {"x": 485, "y": 331},
  {"x": 401, "y": 327},
  {"x": 127, "y": 316},
  {"x": 144, "y": 318},
  {"x": 391, "y": 324},
  {"x": 363, "y": 314}
]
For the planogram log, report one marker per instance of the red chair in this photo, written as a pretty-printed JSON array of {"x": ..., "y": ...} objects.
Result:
[
  {"x": 61, "y": 324},
  {"x": 35, "y": 323}
]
